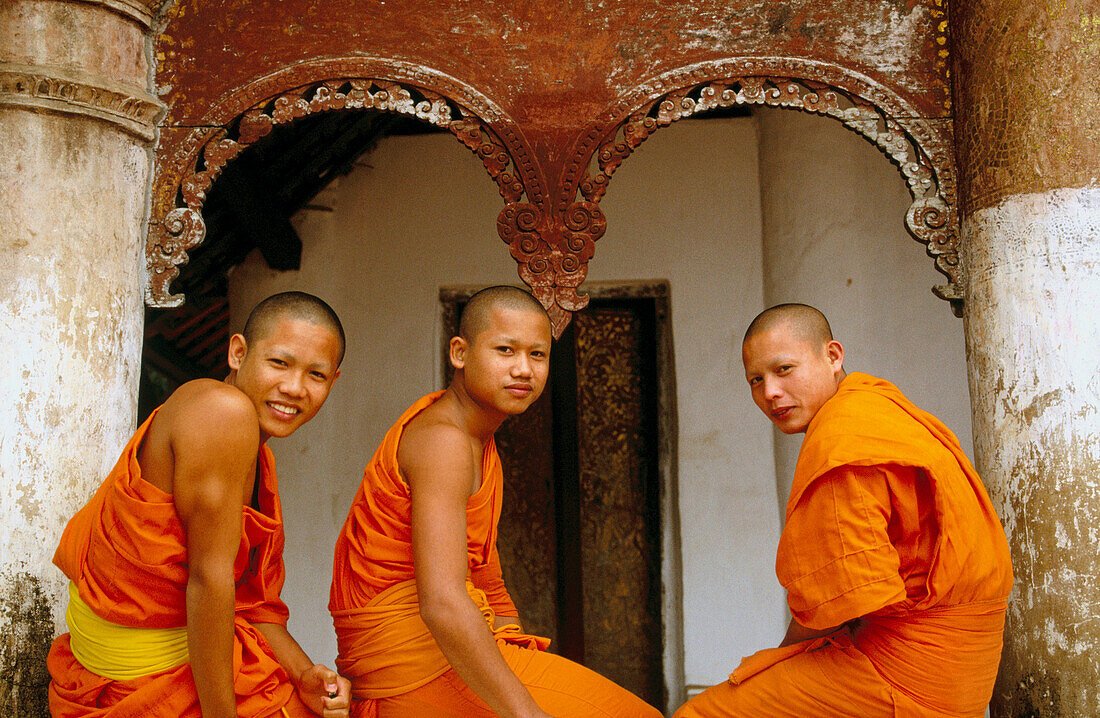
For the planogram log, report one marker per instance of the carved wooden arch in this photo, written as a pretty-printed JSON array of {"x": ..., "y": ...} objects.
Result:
[
  {"x": 920, "y": 147},
  {"x": 249, "y": 114}
]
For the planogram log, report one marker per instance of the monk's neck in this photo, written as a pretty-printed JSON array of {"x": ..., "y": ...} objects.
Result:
[{"x": 471, "y": 416}]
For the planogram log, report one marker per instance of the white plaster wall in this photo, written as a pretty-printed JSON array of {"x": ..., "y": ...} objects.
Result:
[
  {"x": 686, "y": 208},
  {"x": 419, "y": 213},
  {"x": 835, "y": 238}
]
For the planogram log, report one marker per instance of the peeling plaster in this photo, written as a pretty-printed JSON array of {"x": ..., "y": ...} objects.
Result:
[
  {"x": 1033, "y": 342},
  {"x": 891, "y": 43}
]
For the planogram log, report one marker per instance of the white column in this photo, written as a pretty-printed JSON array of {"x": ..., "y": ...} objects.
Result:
[
  {"x": 76, "y": 125},
  {"x": 1033, "y": 331}
]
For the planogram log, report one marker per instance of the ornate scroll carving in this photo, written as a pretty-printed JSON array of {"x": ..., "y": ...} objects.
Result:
[
  {"x": 204, "y": 152},
  {"x": 921, "y": 148},
  {"x": 553, "y": 252},
  {"x": 46, "y": 88}
]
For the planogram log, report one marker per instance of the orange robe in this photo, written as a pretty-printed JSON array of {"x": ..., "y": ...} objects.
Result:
[
  {"x": 126, "y": 553},
  {"x": 385, "y": 649},
  {"x": 889, "y": 523}
]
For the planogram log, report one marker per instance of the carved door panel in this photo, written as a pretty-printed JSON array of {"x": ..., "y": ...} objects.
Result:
[{"x": 580, "y": 530}]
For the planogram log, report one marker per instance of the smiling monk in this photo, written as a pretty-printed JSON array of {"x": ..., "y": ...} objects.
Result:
[
  {"x": 896, "y": 566},
  {"x": 424, "y": 623},
  {"x": 176, "y": 563}
]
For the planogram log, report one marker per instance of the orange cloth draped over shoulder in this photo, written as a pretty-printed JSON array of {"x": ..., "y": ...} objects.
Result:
[
  {"x": 384, "y": 647},
  {"x": 126, "y": 554},
  {"x": 888, "y": 522}
]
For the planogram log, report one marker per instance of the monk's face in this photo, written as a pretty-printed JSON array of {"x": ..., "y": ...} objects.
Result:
[
  {"x": 505, "y": 365},
  {"x": 791, "y": 377},
  {"x": 287, "y": 372}
]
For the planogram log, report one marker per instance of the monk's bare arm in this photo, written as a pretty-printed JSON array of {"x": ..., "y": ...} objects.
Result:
[
  {"x": 439, "y": 465},
  {"x": 215, "y": 439},
  {"x": 796, "y": 633},
  {"x": 324, "y": 692}
]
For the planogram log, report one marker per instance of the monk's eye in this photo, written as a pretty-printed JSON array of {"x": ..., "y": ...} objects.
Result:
[
  {"x": 754, "y": 381},
  {"x": 504, "y": 350},
  {"x": 785, "y": 369}
]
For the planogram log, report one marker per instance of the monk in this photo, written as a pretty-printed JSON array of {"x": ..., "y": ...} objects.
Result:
[
  {"x": 896, "y": 566},
  {"x": 424, "y": 623},
  {"x": 176, "y": 562}
]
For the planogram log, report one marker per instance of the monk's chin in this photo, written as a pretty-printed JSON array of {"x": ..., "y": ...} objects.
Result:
[{"x": 788, "y": 427}]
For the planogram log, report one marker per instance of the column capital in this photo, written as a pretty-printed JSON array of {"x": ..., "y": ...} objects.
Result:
[
  {"x": 140, "y": 11},
  {"x": 52, "y": 89}
]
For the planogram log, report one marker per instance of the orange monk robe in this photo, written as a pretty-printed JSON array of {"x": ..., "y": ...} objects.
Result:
[
  {"x": 888, "y": 521},
  {"x": 385, "y": 649},
  {"x": 126, "y": 553}
]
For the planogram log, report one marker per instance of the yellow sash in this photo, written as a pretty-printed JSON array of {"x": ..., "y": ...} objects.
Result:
[{"x": 121, "y": 653}]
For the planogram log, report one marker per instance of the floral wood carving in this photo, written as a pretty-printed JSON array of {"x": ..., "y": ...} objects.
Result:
[
  {"x": 920, "y": 147},
  {"x": 205, "y": 151},
  {"x": 553, "y": 250}
]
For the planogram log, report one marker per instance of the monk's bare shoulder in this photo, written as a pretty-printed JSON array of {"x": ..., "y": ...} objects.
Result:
[
  {"x": 433, "y": 449},
  {"x": 202, "y": 420}
]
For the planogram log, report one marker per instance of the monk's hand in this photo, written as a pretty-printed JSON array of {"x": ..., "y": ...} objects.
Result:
[{"x": 324, "y": 692}]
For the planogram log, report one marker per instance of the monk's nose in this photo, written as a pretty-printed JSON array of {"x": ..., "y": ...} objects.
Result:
[
  {"x": 293, "y": 386},
  {"x": 522, "y": 366}
]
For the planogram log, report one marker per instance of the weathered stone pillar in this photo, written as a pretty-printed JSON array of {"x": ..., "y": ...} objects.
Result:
[
  {"x": 1028, "y": 128},
  {"x": 76, "y": 124}
]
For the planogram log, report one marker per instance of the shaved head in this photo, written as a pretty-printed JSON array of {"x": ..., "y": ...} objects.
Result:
[
  {"x": 792, "y": 364},
  {"x": 291, "y": 305},
  {"x": 475, "y": 317},
  {"x": 802, "y": 320}
]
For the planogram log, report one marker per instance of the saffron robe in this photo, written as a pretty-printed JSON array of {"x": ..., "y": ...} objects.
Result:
[
  {"x": 126, "y": 553},
  {"x": 385, "y": 649},
  {"x": 887, "y": 522}
]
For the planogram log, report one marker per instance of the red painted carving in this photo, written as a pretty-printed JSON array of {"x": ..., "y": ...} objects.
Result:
[
  {"x": 529, "y": 98},
  {"x": 551, "y": 227}
]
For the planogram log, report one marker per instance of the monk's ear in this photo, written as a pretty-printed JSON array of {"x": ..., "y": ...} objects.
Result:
[
  {"x": 237, "y": 349},
  {"x": 834, "y": 352},
  {"x": 458, "y": 348}
]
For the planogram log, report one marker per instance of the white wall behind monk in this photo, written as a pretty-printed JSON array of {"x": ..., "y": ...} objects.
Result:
[
  {"x": 834, "y": 211},
  {"x": 419, "y": 213}
]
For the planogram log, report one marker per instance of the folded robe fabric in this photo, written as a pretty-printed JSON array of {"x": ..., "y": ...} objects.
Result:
[
  {"x": 888, "y": 523},
  {"x": 385, "y": 649},
  {"x": 126, "y": 554}
]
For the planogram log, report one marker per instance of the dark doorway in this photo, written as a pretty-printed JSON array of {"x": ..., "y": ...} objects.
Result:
[{"x": 581, "y": 529}]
